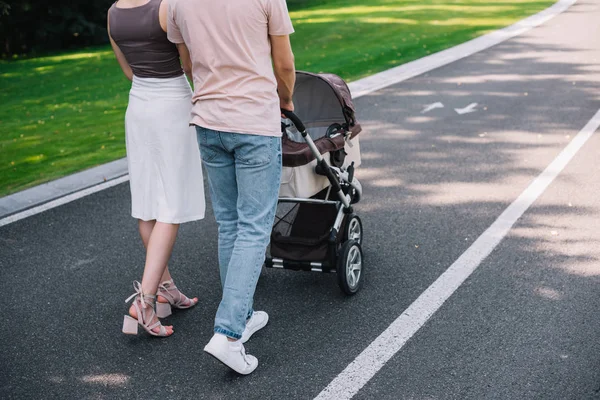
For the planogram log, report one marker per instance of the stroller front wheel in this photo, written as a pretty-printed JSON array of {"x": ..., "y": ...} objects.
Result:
[
  {"x": 353, "y": 229},
  {"x": 350, "y": 267}
]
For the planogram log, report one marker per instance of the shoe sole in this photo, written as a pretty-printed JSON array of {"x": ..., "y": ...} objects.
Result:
[
  {"x": 228, "y": 366},
  {"x": 256, "y": 330}
]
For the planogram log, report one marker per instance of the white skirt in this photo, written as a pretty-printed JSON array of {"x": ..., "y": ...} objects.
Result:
[{"x": 165, "y": 170}]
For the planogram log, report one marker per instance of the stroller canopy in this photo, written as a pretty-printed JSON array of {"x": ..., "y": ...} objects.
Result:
[{"x": 324, "y": 99}]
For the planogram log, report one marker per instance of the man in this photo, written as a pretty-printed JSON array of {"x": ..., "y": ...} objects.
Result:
[{"x": 243, "y": 70}]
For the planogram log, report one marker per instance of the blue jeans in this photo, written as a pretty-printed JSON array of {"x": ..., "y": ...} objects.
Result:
[{"x": 244, "y": 173}]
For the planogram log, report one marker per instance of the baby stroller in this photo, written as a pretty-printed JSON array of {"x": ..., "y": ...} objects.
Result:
[{"x": 315, "y": 226}]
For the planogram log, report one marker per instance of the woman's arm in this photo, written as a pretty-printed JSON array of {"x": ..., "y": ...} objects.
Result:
[
  {"x": 119, "y": 54},
  {"x": 186, "y": 60},
  {"x": 184, "y": 54}
]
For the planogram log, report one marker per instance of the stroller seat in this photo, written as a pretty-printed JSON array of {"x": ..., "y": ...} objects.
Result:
[
  {"x": 297, "y": 154},
  {"x": 324, "y": 104}
]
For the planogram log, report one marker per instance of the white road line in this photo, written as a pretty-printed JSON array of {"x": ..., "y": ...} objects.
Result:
[
  {"x": 384, "y": 347},
  {"x": 363, "y": 86},
  {"x": 54, "y": 189},
  {"x": 63, "y": 200}
]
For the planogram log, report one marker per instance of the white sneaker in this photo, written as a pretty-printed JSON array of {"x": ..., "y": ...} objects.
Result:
[
  {"x": 257, "y": 321},
  {"x": 231, "y": 354}
]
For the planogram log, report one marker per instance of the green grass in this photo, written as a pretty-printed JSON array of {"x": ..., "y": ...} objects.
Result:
[
  {"x": 61, "y": 114},
  {"x": 357, "y": 38}
]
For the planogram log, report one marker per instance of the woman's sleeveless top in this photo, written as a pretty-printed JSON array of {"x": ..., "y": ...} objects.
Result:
[{"x": 138, "y": 34}]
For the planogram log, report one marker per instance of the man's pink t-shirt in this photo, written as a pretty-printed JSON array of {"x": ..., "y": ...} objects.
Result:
[{"x": 235, "y": 89}]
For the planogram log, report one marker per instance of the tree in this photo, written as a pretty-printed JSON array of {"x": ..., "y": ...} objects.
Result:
[{"x": 34, "y": 26}]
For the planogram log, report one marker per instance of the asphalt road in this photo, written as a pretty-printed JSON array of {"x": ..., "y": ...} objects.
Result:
[{"x": 525, "y": 325}]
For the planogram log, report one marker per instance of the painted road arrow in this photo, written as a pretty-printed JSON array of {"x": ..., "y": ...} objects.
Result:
[
  {"x": 468, "y": 109},
  {"x": 432, "y": 107}
]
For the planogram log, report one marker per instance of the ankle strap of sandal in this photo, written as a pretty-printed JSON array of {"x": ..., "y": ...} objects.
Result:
[
  {"x": 167, "y": 285},
  {"x": 168, "y": 289},
  {"x": 146, "y": 299}
]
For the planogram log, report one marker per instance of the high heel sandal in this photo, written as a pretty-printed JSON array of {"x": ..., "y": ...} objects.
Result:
[
  {"x": 174, "y": 297},
  {"x": 141, "y": 302}
]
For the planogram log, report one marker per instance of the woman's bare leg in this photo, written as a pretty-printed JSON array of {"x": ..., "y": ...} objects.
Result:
[
  {"x": 158, "y": 252},
  {"x": 145, "y": 232},
  {"x": 159, "y": 245}
]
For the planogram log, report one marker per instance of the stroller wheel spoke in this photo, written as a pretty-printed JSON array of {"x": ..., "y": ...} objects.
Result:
[
  {"x": 354, "y": 255},
  {"x": 356, "y": 271},
  {"x": 351, "y": 279}
]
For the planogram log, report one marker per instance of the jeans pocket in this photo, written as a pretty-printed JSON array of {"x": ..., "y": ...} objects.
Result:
[
  {"x": 255, "y": 150},
  {"x": 207, "y": 153}
]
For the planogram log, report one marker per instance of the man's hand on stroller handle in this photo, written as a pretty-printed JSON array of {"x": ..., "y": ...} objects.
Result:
[
  {"x": 295, "y": 120},
  {"x": 286, "y": 105}
]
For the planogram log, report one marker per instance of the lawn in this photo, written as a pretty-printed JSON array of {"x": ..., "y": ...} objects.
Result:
[{"x": 64, "y": 113}]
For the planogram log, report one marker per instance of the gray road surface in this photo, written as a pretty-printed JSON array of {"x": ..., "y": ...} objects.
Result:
[{"x": 525, "y": 325}]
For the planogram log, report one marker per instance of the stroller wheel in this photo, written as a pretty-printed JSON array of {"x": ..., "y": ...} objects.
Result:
[
  {"x": 350, "y": 267},
  {"x": 353, "y": 229}
]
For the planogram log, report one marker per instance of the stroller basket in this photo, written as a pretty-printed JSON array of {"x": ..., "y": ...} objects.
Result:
[{"x": 301, "y": 231}]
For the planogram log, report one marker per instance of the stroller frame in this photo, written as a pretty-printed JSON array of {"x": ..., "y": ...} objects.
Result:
[{"x": 344, "y": 255}]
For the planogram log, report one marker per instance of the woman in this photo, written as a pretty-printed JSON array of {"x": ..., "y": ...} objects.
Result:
[{"x": 162, "y": 152}]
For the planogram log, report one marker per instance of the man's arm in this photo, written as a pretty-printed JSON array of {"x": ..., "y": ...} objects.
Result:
[{"x": 285, "y": 71}]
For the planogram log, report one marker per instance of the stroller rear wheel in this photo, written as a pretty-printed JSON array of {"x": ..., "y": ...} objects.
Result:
[
  {"x": 353, "y": 229},
  {"x": 350, "y": 267}
]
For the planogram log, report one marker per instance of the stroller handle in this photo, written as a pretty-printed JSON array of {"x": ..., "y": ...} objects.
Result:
[{"x": 295, "y": 120}]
